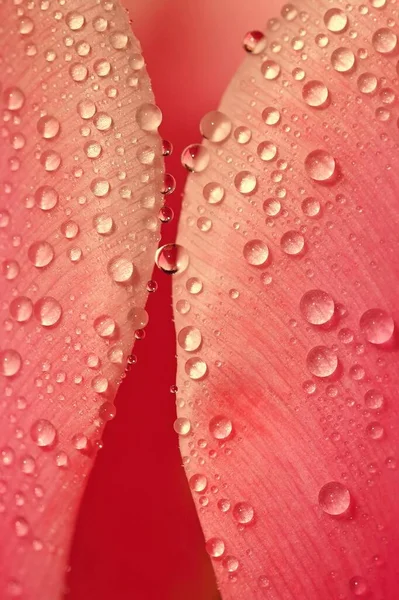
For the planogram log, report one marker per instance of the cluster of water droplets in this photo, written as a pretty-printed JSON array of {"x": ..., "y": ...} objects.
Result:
[{"x": 301, "y": 186}]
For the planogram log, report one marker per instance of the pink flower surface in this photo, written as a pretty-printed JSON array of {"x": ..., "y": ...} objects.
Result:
[{"x": 283, "y": 298}]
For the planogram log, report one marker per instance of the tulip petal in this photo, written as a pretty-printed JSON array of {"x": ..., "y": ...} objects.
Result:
[
  {"x": 81, "y": 173},
  {"x": 286, "y": 316}
]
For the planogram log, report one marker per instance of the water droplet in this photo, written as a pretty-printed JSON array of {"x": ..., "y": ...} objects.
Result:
[
  {"x": 195, "y": 158},
  {"x": 182, "y": 426},
  {"x": 119, "y": 40},
  {"x": 343, "y": 60},
  {"x": 377, "y": 326},
  {"x": 213, "y": 193},
  {"x": 231, "y": 564},
  {"x": 10, "y": 269},
  {"x": 272, "y": 206},
  {"x": 335, "y": 20},
  {"x": 48, "y": 127},
  {"x": 43, "y": 433},
  {"x": 292, "y": 243},
  {"x": 165, "y": 214},
  {"x": 215, "y": 547},
  {"x": 172, "y": 258},
  {"x": 242, "y": 135},
  {"x": 104, "y": 326},
  {"x": 375, "y": 430},
  {"x": 321, "y": 361},
  {"x": 320, "y": 165},
  {"x": 21, "y": 309},
  {"x": 46, "y": 197},
  {"x": 103, "y": 121},
  {"x": 196, "y": 368},
  {"x": 198, "y": 483},
  {"x": 14, "y": 98},
  {"x": 107, "y": 411},
  {"x": 10, "y": 362},
  {"x": 78, "y": 72},
  {"x": 334, "y": 498},
  {"x": 138, "y": 317},
  {"x": 254, "y": 42},
  {"x": 267, "y": 151},
  {"x": 102, "y": 67},
  {"x": 367, "y": 83},
  {"x": 62, "y": 460},
  {"x": 70, "y": 229},
  {"x": 48, "y": 311},
  {"x": 256, "y": 252},
  {"x": 189, "y": 338},
  {"x": 99, "y": 384},
  {"x": 103, "y": 224},
  {"x": 75, "y": 21},
  {"x": 270, "y": 70},
  {"x": 215, "y": 126},
  {"x": 40, "y": 254},
  {"x": 220, "y": 427},
  {"x": 148, "y": 117},
  {"x": 271, "y": 116},
  {"x": 245, "y": 182},
  {"x": 86, "y": 109},
  {"x": 385, "y": 40},
  {"x": 317, "y": 307},
  {"x": 21, "y": 526},
  {"x": 167, "y": 148},
  {"x": 120, "y": 269},
  {"x": 315, "y": 94},
  {"x": 311, "y": 207},
  {"x": 100, "y": 187},
  {"x": 50, "y": 160},
  {"x": 243, "y": 513},
  {"x": 374, "y": 400},
  {"x": 358, "y": 586}
]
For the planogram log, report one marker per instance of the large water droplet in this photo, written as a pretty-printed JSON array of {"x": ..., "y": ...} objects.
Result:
[
  {"x": 292, "y": 242},
  {"x": 172, "y": 258},
  {"x": 148, "y": 117},
  {"x": 374, "y": 400},
  {"x": 43, "y": 433},
  {"x": 377, "y": 326},
  {"x": 21, "y": 309},
  {"x": 48, "y": 127},
  {"x": 195, "y": 158},
  {"x": 10, "y": 362},
  {"x": 48, "y": 311},
  {"x": 315, "y": 94},
  {"x": 256, "y": 252},
  {"x": 343, "y": 60},
  {"x": 267, "y": 151},
  {"x": 189, "y": 338},
  {"x": 40, "y": 254},
  {"x": 14, "y": 98},
  {"x": 198, "y": 483},
  {"x": 385, "y": 40},
  {"x": 367, "y": 83},
  {"x": 335, "y": 20},
  {"x": 46, "y": 197},
  {"x": 182, "y": 426},
  {"x": 196, "y": 368},
  {"x": 215, "y": 126},
  {"x": 320, "y": 165},
  {"x": 215, "y": 547},
  {"x": 104, "y": 326},
  {"x": 213, "y": 193},
  {"x": 254, "y": 42},
  {"x": 120, "y": 269},
  {"x": 270, "y": 69},
  {"x": 220, "y": 427},
  {"x": 322, "y": 361},
  {"x": 334, "y": 498},
  {"x": 245, "y": 182},
  {"x": 243, "y": 512},
  {"x": 317, "y": 307}
]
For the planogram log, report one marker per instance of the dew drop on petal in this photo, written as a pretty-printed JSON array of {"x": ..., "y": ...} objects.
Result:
[
  {"x": 220, "y": 427},
  {"x": 104, "y": 326},
  {"x": 213, "y": 193},
  {"x": 367, "y": 83},
  {"x": 196, "y": 368},
  {"x": 75, "y": 21},
  {"x": 343, "y": 60},
  {"x": 256, "y": 252},
  {"x": 245, "y": 182},
  {"x": 320, "y": 165},
  {"x": 103, "y": 224},
  {"x": 334, "y": 498},
  {"x": 40, "y": 254},
  {"x": 375, "y": 431},
  {"x": 48, "y": 311},
  {"x": 254, "y": 42},
  {"x": 317, "y": 307},
  {"x": 189, "y": 338},
  {"x": 182, "y": 426},
  {"x": 315, "y": 93},
  {"x": 21, "y": 309},
  {"x": 215, "y": 547},
  {"x": 374, "y": 400},
  {"x": 311, "y": 207},
  {"x": 120, "y": 269},
  {"x": 243, "y": 513},
  {"x": 48, "y": 127},
  {"x": 148, "y": 117},
  {"x": 14, "y": 98},
  {"x": 292, "y": 243},
  {"x": 384, "y": 40},
  {"x": 172, "y": 258},
  {"x": 195, "y": 158},
  {"x": 46, "y": 197},
  {"x": 198, "y": 483},
  {"x": 271, "y": 116},
  {"x": 321, "y": 361},
  {"x": 10, "y": 362},
  {"x": 270, "y": 70},
  {"x": 43, "y": 433},
  {"x": 377, "y": 326},
  {"x": 103, "y": 121},
  {"x": 215, "y": 126},
  {"x": 335, "y": 20}
]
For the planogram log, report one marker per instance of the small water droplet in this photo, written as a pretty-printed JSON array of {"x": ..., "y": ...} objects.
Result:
[
  {"x": 182, "y": 426},
  {"x": 245, "y": 182},
  {"x": 267, "y": 151},
  {"x": 256, "y": 252},
  {"x": 104, "y": 326},
  {"x": 292, "y": 243},
  {"x": 21, "y": 309},
  {"x": 215, "y": 126},
  {"x": 198, "y": 483},
  {"x": 46, "y": 197},
  {"x": 196, "y": 368},
  {"x": 43, "y": 433},
  {"x": 215, "y": 547},
  {"x": 335, "y": 20},
  {"x": 10, "y": 362},
  {"x": 343, "y": 60},
  {"x": 254, "y": 42},
  {"x": 243, "y": 513},
  {"x": 270, "y": 70},
  {"x": 189, "y": 338},
  {"x": 120, "y": 269},
  {"x": 148, "y": 117},
  {"x": 48, "y": 127},
  {"x": 14, "y": 98},
  {"x": 375, "y": 430},
  {"x": 213, "y": 193},
  {"x": 48, "y": 311},
  {"x": 374, "y": 400},
  {"x": 334, "y": 498},
  {"x": 367, "y": 83},
  {"x": 358, "y": 586},
  {"x": 385, "y": 40},
  {"x": 315, "y": 94},
  {"x": 220, "y": 427},
  {"x": 320, "y": 165},
  {"x": 195, "y": 158}
]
